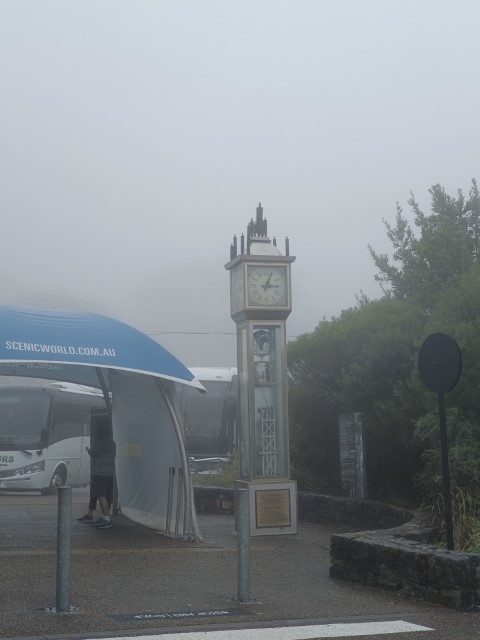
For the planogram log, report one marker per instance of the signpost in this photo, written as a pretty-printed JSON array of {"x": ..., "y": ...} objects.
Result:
[{"x": 440, "y": 366}]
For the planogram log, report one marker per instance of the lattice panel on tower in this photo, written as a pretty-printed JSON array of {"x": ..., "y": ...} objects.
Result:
[{"x": 268, "y": 440}]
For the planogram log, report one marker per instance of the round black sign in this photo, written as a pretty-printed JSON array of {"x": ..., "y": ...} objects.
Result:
[{"x": 439, "y": 362}]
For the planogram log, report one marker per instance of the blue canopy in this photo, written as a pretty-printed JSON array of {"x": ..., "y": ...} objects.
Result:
[
  {"x": 51, "y": 343},
  {"x": 93, "y": 350}
]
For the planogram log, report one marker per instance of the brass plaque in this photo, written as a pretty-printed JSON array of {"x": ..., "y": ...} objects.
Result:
[{"x": 272, "y": 508}]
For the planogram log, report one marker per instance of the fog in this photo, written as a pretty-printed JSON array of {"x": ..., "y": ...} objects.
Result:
[{"x": 137, "y": 137}]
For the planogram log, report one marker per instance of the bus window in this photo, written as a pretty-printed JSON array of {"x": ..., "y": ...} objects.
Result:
[
  {"x": 23, "y": 416},
  {"x": 68, "y": 420},
  {"x": 210, "y": 419},
  {"x": 204, "y": 422}
]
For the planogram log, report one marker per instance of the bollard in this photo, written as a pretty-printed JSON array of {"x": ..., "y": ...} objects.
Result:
[
  {"x": 64, "y": 530},
  {"x": 243, "y": 543}
]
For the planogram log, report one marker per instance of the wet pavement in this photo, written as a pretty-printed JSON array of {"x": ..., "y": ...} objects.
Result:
[{"x": 128, "y": 579}]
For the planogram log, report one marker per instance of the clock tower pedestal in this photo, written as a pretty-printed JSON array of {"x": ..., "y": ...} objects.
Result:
[{"x": 260, "y": 302}]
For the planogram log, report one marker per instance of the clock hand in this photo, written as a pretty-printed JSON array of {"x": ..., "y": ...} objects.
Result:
[
  {"x": 271, "y": 286},
  {"x": 267, "y": 284}
]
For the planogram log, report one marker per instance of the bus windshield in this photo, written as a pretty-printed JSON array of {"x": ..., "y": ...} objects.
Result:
[
  {"x": 204, "y": 419},
  {"x": 23, "y": 416}
]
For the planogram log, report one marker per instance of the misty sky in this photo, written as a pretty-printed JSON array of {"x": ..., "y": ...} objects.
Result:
[{"x": 137, "y": 137}]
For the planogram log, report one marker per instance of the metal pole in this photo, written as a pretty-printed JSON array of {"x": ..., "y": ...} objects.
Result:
[
  {"x": 447, "y": 496},
  {"x": 179, "y": 499},
  {"x": 191, "y": 516},
  {"x": 243, "y": 542},
  {"x": 171, "y": 480},
  {"x": 64, "y": 529}
]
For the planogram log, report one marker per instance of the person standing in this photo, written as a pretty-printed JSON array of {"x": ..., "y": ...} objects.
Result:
[
  {"x": 92, "y": 504},
  {"x": 102, "y": 457}
]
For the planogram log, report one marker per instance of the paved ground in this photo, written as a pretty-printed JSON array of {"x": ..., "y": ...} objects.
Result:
[{"x": 130, "y": 570}]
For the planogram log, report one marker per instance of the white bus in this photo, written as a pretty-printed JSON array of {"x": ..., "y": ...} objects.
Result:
[
  {"x": 44, "y": 432},
  {"x": 210, "y": 419}
]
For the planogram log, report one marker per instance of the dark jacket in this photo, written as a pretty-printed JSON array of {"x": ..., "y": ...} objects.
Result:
[{"x": 102, "y": 457}]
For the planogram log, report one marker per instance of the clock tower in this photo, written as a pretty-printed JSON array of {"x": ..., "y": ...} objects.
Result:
[{"x": 260, "y": 302}]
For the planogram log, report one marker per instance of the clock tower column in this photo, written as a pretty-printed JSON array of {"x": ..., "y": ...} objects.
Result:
[{"x": 260, "y": 302}]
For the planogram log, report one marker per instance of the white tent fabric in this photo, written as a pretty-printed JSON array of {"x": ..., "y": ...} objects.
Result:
[
  {"x": 153, "y": 482},
  {"x": 152, "y": 472}
]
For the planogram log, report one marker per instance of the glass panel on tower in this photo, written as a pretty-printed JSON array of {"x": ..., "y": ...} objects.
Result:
[{"x": 269, "y": 420}]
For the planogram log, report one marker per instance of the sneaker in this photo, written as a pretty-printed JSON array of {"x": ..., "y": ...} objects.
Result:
[
  {"x": 85, "y": 518},
  {"x": 97, "y": 521},
  {"x": 105, "y": 524}
]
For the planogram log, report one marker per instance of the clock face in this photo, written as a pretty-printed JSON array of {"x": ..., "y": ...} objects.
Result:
[{"x": 267, "y": 286}]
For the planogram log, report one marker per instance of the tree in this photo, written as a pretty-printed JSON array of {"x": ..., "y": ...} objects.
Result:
[
  {"x": 458, "y": 314},
  {"x": 366, "y": 360},
  {"x": 448, "y": 244},
  {"x": 353, "y": 363}
]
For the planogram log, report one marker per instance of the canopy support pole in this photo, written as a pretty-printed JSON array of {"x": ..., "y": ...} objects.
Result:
[
  {"x": 187, "y": 484},
  {"x": 105, "y": 392},
  {"x": 108, "y": 403}
]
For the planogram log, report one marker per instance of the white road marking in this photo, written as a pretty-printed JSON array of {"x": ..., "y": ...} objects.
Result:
[{"x": 309, "y": 632}]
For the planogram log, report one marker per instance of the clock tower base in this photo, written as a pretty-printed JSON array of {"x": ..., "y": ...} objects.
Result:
[{"x": 272, "y": 507}]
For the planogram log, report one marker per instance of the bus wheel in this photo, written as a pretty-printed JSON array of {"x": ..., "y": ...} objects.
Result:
[{"x": 57, "y": 480}]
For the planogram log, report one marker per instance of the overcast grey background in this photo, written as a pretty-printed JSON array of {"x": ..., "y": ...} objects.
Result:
[{"x": 136, "y": 137}]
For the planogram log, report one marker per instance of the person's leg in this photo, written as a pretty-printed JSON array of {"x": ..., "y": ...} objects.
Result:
[
  {"x": 97, "y": 487},
  {"x": 104, "y": 507},
  {"x": 92, "y": 505},
  {"x": 101, "y": 487},
  {"x": 109, "y": 493},
  {"x": 106, "y": 521}
]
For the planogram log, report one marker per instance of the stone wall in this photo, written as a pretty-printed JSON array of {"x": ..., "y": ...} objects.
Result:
[
  {"x": 315, "y": 507},
  {"x": 213, "y": 500},
  {"x": 397, "y": 555},
  {"x": 414, "y": 568}
]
